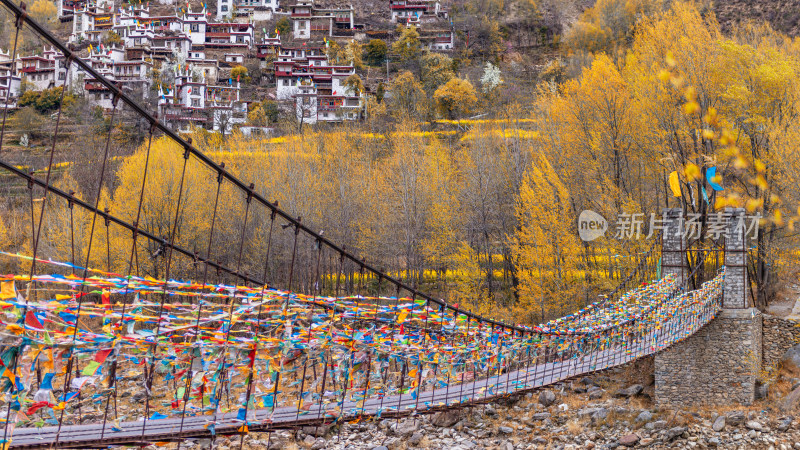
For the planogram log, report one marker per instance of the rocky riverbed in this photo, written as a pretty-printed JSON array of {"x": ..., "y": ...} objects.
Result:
[
  {"x": 613, "y": 410},
  {"x": 529, "y": 425}
]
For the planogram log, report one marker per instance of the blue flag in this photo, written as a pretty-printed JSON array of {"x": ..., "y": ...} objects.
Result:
[{"x": 711, "y": 173}]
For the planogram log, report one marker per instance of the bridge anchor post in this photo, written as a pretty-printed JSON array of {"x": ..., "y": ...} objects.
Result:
[{"x": 719, "y": 364}]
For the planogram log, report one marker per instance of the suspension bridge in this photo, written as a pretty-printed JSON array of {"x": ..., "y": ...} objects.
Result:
[{"x": 279, "y": 326}]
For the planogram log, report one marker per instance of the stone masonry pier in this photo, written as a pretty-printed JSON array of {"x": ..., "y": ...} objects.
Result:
[
  {"x": 718, "y": 365},
  {"x": 721, "y": 363}
]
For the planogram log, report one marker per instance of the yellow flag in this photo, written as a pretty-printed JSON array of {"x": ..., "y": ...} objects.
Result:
[
  {"x": 7, "y": 290},
  {"x": 675, "y": 184}
]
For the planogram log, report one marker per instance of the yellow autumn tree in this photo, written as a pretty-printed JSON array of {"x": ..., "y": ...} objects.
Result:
[
  {"x": 407, "y": 45},
  {"x": 158, "y": 210},
  {"x": 719, "y": 101},
  {"x": 546, "y": 248},
  {"x": 597, "y": 112},
  {"x": 4, "y": 236},
  {"x": 455, "y": 98},
  {"x": 43, "y": 11},
  {"x": 609, "y": 25},
  {"x": 408, "y": 97},
  {"x": 440, "y": 243}
]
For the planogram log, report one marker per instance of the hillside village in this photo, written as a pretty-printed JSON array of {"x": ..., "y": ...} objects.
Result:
[{"x": 191, "y": 62}]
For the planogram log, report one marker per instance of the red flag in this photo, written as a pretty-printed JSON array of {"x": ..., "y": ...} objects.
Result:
[
  {"x": 106, "y": 299},
  {"x": 101, "y": 356},
  {"x": 237, "y": 77},
  {"x": 32, "y": 321},
  {"x": 37, "y": 406}
]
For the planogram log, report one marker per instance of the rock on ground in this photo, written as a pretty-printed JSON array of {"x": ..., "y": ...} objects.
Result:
[
  {"x": 792, "y": 356},
  {"x": 673, "y": 433},
  {"x": 629, "y": 440},
  {"x": 547, "y": 398},
  {"x": 719, "y": 424},
  {"x": 630, "y": 391},
  {"x": 790, "y": 401},
  {"x": 446, "y": 418},
  {"x": 734, "y": 418}
]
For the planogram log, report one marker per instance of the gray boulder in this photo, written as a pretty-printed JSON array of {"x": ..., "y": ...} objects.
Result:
[
  {"x": 734, "y": 418},
  {"x": 657, "y": 425},
  {"x": 792, "y": 356},
  {"x": 405, "y": 428},
  {"x": 630, "y": 391},
  {"x": 789, "y": 402},
  {"x": 593, "y": 412},
  {"x": 547, "y": 398},
  {"x": 596, "y": 394},
  {"x": 784, "y": 423},
  {"x": 719, "y": 424},
  {"x": 644, "y": 416},
  {"x": 753, "y": 425},
  {"x": 673, "y": 433},
  {"x": 540, "y": 416},
  {"x": 629, "y": 440},
  {"x": 317, "y": 431},
  {"x": 446, "y": 418}
]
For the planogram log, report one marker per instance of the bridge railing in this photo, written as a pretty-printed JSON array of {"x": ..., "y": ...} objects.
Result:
[{"x": 276, "y": 359}]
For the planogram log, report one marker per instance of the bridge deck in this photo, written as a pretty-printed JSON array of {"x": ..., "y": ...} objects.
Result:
[{"x": 77, "y": 436}]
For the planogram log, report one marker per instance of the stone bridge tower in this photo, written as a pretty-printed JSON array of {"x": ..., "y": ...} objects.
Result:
[{"x": 720, "y": 363}]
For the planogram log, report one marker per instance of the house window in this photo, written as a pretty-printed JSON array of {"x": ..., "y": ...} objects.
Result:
[
  {"x": 224, "y": 8},
  {"x": 196, "y": 102}
]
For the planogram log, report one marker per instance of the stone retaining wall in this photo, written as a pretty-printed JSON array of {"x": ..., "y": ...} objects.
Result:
[
  {"x": 718, "y": 365},
  {"x": 779, "y": 335}
]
